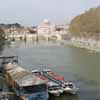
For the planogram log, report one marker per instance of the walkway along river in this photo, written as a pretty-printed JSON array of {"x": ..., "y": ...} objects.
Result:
[{"x": 74, "y": 64}]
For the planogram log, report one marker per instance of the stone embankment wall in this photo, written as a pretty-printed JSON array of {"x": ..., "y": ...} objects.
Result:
[{"x": 86, "y": 43}]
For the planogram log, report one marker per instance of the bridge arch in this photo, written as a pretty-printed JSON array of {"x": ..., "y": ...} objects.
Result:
[{"x": 55, "y": 37}]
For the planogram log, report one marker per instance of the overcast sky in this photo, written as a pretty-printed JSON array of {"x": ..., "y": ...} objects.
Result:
[{"x": 32, "y": 12}]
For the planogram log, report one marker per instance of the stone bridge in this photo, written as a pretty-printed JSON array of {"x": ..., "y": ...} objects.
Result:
[{"x": 35, "y": 37}]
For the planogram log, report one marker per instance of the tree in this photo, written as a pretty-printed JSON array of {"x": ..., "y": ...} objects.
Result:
[
  {"x": 2, "y": 35},
  {"x": 86, "y": 24}
]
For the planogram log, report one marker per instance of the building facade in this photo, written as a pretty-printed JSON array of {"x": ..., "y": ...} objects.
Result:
[{"x": 45, "y": 27}]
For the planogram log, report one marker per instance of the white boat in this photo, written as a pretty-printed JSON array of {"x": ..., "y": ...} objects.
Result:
[
  {"x": 70, "y": 87},
  {"x": 54, "y": 88}
]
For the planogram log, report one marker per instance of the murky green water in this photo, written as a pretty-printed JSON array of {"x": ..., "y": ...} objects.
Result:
[{"x": 74, "y": 64}]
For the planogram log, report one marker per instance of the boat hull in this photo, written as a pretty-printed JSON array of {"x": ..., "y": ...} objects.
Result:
[
  {"x": 56, "y": 93},
  {"x": 71, "y": 91}
]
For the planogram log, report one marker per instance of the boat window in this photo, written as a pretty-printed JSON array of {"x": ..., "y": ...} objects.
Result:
[
  {"x": 69, "y": 85},
  {"x": 53, "y": 87},
  {"x": 34, "y": 89}
]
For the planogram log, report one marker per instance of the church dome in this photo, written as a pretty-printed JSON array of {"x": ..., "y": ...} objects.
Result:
[{"x": 46, "y": 21}]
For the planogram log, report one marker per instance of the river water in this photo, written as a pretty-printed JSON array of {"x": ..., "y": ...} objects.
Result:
[{"x": 77, "y": 65}]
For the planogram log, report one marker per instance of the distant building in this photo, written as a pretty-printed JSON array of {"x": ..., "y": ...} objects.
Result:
[
  {"x": 45, "y": 27},
  {"x": 61, "y": 29},
  {"x": 32, "y": 30},
  {"x": 16, "y": 31}
]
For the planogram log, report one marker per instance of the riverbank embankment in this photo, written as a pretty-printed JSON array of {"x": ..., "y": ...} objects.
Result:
[{"x": 91, "y": 45}]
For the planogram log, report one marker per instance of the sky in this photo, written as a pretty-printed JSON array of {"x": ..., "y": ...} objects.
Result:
[{"x": 32, "y": 12}]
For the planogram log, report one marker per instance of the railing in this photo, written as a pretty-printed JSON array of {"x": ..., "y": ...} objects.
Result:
[{"x": 52, "y": 79}]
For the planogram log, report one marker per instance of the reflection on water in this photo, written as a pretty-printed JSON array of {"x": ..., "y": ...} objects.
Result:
[{"x": 74, "y": 64}]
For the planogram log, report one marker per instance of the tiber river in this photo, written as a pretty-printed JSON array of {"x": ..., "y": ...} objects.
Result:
[{"x": 77, "y": 65}]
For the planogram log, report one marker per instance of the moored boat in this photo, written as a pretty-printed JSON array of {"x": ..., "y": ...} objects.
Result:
[
  {"x": 70, "y": 87},
  {"x": 67, "y": 86},
  {"x": 53, "y": 88},
  {"x": 26, "y": 85}
]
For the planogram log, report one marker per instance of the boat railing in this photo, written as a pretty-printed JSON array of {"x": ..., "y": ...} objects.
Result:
[{"x": 50, "y": 78}]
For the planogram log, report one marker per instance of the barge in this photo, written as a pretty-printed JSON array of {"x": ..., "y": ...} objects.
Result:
[{"x": 25, "y": 85}]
